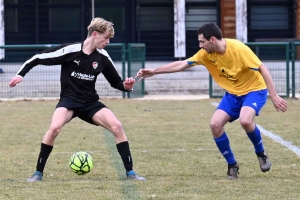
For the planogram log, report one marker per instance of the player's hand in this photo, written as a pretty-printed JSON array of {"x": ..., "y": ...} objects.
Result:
[
  {"x": 128, "y": 83},
  {"x": 144, "y": 73},
  {"x": 279, "y": 103},
  {"x": 15, "y": 80}
]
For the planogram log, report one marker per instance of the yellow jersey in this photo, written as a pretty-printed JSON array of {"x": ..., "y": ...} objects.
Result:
[{"x": 236, "y": 70}]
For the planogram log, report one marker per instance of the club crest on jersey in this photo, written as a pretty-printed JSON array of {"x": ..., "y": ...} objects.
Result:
[{"x": 95, "y": 65}]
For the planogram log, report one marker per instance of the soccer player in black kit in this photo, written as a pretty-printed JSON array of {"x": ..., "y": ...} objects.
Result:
[{"x": 81, "y": 63}]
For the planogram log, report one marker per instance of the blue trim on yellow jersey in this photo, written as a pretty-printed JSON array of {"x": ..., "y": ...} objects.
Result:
[
  {"x": 191, "y": 62},
  {"x": 255, "y": 69}
]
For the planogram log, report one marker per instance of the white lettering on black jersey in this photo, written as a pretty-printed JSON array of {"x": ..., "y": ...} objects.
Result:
[{"x": 79, "y": 71}]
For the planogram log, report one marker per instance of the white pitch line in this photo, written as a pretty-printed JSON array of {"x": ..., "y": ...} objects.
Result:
[
  {"x": 279, "y": 140},
  {"x": 274, "y": 137},
  {"x": 214, "y": 104}
]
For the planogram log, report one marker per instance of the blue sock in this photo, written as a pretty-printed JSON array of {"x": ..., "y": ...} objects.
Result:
[
  {"x": 224, "y": 147},
  {"x": 256, "y": 140}
]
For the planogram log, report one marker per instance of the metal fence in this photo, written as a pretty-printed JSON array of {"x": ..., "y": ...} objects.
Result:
[
  {"x": 295, "y": 68},
  {"x": 44, "y": 81},
  {"x": 281, "y": 58},
  {"x": 136, "y": 61}
]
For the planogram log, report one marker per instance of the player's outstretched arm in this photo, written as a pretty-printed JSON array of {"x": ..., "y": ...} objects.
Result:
[
  {"x": 15, "y": 80},
  {"x": 279, "y": 103},
  {"x": 169, "y": 68},
  {"x": 51, "y": 56}
]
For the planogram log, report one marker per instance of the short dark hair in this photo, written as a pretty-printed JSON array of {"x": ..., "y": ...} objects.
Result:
[{"x": 210, "y": 29}]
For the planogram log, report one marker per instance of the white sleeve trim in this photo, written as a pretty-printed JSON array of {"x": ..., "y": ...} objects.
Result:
[{"x": 20, "y": 76}]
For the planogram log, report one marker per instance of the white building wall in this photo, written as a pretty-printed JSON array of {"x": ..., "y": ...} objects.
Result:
[
  {"x": 2, "y": 42},
  {"x": 241, "y": 20},
  {"x": 179, "y": 29}
]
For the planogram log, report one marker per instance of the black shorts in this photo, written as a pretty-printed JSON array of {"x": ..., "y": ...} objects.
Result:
[{"x": 84, "y": 111}]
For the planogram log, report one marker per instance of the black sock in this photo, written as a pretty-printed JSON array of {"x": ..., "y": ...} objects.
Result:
[
  {"x": 44, "y": 154},
  {"x": 124, "y": 151},
  {"x": 260, "y": 153},
  {"x": 232, "y": 165}
]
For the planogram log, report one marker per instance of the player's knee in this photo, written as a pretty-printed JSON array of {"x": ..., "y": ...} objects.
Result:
[
  {"x": 214, "y": 125},
  {"x": 245, "y": 122},
  {"x": 54, "y": 130},
  {"x": 117, "y": 127}
]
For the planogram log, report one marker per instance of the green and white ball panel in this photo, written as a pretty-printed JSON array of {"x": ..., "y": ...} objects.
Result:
[{"x": 81, "y": 163}]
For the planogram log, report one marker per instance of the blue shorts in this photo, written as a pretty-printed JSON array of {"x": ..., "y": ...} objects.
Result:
[{"x": 233, "y": 104}]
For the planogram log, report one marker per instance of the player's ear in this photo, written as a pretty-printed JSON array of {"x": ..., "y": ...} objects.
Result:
[{"x": 94, "y": 33}]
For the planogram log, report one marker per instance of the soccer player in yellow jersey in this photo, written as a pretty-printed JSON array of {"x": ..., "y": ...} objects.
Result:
[{"x": 246, "y": 80}]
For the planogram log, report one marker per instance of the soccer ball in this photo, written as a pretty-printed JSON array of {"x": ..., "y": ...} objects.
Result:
[{"x": 81, "y": 163}]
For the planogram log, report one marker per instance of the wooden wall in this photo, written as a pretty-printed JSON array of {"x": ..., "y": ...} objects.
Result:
[
  {"x": 298, "y": 19},
  {"x": 228, "y": 18}
]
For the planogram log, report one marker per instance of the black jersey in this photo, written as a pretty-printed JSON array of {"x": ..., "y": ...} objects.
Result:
[{"x": 79, "y": 71}]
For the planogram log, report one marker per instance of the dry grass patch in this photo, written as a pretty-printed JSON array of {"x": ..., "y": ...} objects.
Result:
[{"x": 171, "y": 145}]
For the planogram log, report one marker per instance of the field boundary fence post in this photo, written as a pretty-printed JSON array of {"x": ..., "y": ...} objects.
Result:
[{"x": 136, "y": 61}]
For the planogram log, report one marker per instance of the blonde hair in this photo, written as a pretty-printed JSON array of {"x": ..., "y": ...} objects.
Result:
[{"x": 102, "y": 26}]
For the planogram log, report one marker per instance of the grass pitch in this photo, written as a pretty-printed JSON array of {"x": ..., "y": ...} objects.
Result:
[{"x": 171, "y": 146}]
